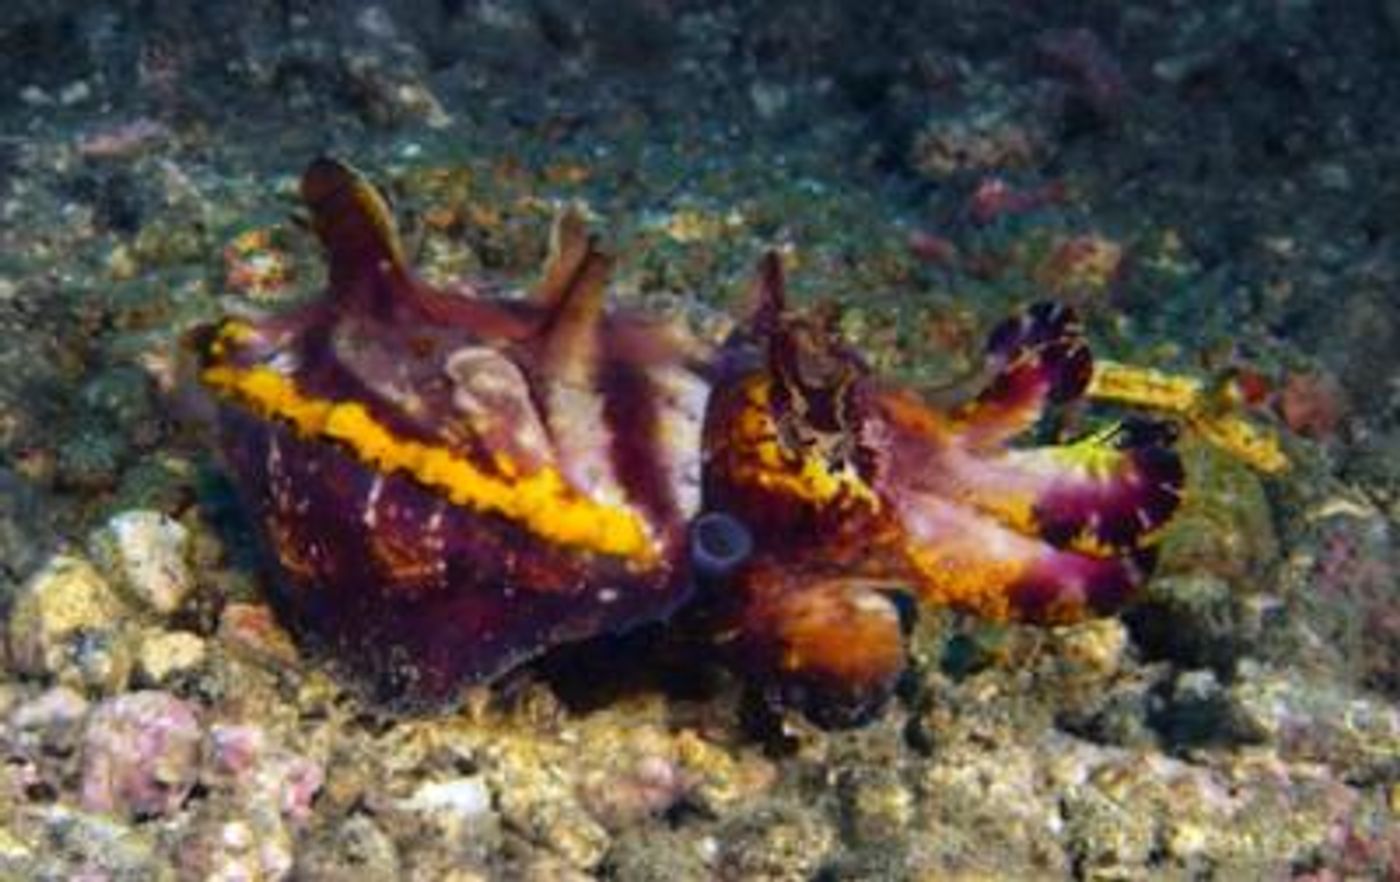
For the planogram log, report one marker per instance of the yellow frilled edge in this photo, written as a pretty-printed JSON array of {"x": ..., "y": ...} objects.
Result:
[{"x": 542, "y": 501}]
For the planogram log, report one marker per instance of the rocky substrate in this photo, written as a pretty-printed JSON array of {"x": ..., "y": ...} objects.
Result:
[{"x": 146, "y": 737}]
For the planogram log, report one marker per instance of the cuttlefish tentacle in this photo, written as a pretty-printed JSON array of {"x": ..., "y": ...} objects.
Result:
[
  {"x": 1049, "y": 533},
  {"x": 965, "y": 560},
  {"x": 1105, "y": 492},
  {"x": 1035, "y": 359}
]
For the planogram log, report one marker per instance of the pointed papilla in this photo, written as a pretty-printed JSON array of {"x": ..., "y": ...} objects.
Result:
[
  {"x": 569, "y": 334},
  {"x": 569, "y": 248},
  {"x": 353, "y": 223}
]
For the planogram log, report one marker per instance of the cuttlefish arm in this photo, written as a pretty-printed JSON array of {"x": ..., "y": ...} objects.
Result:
[{"x": 868, "y": 490}]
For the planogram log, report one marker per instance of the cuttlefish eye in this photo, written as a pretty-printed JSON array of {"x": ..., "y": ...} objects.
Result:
[{"x": 719, "y": 543}]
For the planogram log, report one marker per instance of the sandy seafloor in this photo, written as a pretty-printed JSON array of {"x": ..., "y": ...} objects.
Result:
[{"x": 1214, "y": 185}]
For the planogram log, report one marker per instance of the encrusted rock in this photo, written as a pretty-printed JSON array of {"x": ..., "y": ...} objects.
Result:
[
  {"x": 775, "y": 844},
  {"x": 68, "y": 625},
  {"x": 877, "y": 807},
  {"x": 1102, "y": 836},
  {"x": 228, "y": 847},
  {"x": 140, "y": 755},
  {"x": 26, "y": 533},
  {"x": 261, "y": 774},
  {"x": 985, "y": 139},
  {"x": 536, "y": 798},
  {"x": 1316, "y": 721},
  {"x": 146, "y": 553},
  {"x": 86, "y": 845},
  {"x": 355, "y": 849},
  {"x": 1225, "y": 527},
  {"x": 979, "y": 784},
  {"x": 12, "y": 695},
  {"x": 1131, "y": 815},
  {"x": 391, "y": 94},
  {"x": 717, "y": 780},
  {"x": 545, "y": 868},
  {"x": 1195, "y": 710},
  {"x": 652, "y": 854},
  {"x": 563, "y": 825},
  {"x": 1090, "y": 654},
  {"x": 1194, "y": 620},
  {"x": 50, "y": 720}
]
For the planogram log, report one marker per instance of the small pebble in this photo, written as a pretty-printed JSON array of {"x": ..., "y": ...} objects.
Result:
[
  {"x": 253, "y": 628},
  {"x": 34, "y": 96},
  {"x": 53, "y": 717},
  {"x": 75, "y": 92},
  {"x": 166, "y": 656},
  {"x": 621, "y": 798},
  {"x": 459, "y": 809},
  {"x": 146, "y": 553},
  {"x": 467, "y": 797},
  {"x": 234, "y": 749}
]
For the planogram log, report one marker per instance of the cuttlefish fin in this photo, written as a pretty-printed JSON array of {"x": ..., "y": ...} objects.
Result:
[
  {"x": 357, "y": 230},
  {"x": 1036, "y": 359},
  {"x": 830, "y": 646}
]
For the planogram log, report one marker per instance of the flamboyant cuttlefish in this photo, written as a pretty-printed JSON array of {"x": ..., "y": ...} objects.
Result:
[{"x": 451, "y": 483}]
